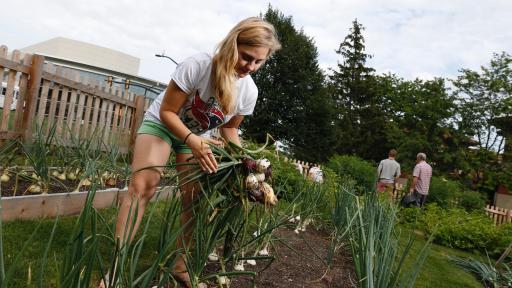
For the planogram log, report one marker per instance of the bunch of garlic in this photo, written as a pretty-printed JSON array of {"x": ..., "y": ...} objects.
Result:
[{"x": 258, "y": 189}]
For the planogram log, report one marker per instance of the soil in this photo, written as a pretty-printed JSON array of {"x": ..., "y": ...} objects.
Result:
[{"x": 289, "y": 269}]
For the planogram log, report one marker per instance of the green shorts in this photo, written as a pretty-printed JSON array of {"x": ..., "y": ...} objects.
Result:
[{"x": 159, "y": 130}]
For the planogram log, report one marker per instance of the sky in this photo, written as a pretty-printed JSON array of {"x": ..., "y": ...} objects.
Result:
[{"x": 410, "y": 38}]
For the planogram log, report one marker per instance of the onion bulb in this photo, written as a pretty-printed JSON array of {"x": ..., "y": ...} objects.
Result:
[
  {"x": 61, "y": 176},
  {"x": 5, "y": 177},
  {"x": 260, "y": 177},
  {"x": 251, "y": 182},
  {"x": 251, "y": 262},
  {"x": 55, "y": 173},
  {"x": 213, "y": 257},
  {"x": 71, "y": 176},
  {"x": 268, "y": 193},
  {"x": 263, "y": 252},
  {"x": 111, "y": 181},
  {"x": 239, "y": 266},
  {"x": 262, "y": 165},
  {"x": 34, "y": 188},
  {"x": 86, "y": 182},
  {"x": 223, "y": 280}
]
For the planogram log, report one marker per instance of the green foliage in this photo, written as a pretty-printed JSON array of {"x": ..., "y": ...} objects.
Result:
[
  {"x": 455, "y": 227},
  {"x": 471, "y": 200},
  {"x": 443, "y": 192},
  {"x": 293, "y": 105},
  {"x": 363, "y": 172},
  {"x": 419, "y": 119},
  {"x": 484, "y": 95}
]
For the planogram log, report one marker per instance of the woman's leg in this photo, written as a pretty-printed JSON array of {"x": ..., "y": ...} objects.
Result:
[
  {"x": 149, "y": 151},
  {"x": 188, "y": 193}
]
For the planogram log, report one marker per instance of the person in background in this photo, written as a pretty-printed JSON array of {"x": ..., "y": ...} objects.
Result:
[
  {"x": 422, "y": 174},
  {"x": 205, "y": 92},
  {"x": 316, "y": 174},
  {"x": 388, "y": 172}
]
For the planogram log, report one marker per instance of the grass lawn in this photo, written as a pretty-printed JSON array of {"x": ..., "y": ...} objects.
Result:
[
  {"x": 27, "y": 273},
  {"x": 438, "y": 271}
]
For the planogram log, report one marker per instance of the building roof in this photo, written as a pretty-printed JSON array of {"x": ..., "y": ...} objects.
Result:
[{"x": 86, "y": 53}]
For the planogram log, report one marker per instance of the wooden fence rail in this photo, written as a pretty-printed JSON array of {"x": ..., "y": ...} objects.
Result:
[
  {"x": 499, "y": 215},
  {"x": 38, "y": 94}
]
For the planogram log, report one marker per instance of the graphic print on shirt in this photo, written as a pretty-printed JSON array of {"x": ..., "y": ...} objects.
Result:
[{"x": 201, "y": 116}]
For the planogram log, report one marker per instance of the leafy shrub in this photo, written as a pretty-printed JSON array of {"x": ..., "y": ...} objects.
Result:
[
  {"x": 503, "y": 240},
  {"x": 458, "y": 228},
  {"x": 363, "y": 172},
  {"x": 443, "y": 192},
  {"x": 471, "y": 200}
]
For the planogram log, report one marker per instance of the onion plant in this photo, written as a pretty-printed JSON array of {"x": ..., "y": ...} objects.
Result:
[
  {"x": 488, "y": 273},
  {"x": 38, "y": 154},
  {"x": 368, "y": 223}
]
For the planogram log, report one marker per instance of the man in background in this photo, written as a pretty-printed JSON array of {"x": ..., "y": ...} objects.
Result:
[
  {"x": 388, "y": 172},
  {"x": 421, "y": 179}
]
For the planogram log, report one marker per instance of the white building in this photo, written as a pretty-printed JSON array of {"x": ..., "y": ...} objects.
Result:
[{"x": 97, "y": 62}]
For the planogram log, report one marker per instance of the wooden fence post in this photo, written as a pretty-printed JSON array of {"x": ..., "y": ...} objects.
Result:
[
  {"x": 35, "y": 74},
  {"x": 137, "y": 118}
]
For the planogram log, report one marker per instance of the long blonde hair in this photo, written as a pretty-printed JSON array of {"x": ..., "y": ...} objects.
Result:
[{"x": 252, "y": 31}]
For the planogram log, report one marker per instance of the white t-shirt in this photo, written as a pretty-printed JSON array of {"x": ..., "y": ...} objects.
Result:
[{"x": 202, "y": 112}]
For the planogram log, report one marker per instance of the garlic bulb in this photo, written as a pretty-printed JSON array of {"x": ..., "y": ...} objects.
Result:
[
  {"x": 262, "y": 165},
  {"x": 260, "y": 177},
  {"x": 268, "y": 192},
  {"x": 251, "y": 182}
]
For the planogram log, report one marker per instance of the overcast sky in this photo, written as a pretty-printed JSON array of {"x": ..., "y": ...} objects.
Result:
[{"x": 410, "y": 38}]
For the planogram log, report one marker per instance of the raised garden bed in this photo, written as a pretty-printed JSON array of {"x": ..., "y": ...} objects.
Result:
[{"x": 69, "y": 203}]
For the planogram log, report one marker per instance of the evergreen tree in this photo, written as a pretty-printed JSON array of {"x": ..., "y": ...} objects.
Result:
[
  {"x": 359, "y": 119},
  {"x": 293, "y": 105}
]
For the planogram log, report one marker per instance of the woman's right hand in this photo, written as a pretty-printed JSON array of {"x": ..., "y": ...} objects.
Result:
[{"x": 202, "y": 153}]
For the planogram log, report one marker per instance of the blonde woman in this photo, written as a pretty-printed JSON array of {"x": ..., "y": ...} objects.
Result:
[{"x": 205, "y": 92}]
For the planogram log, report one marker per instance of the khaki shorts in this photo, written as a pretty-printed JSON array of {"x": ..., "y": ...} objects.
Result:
[{"x": 159, "y": 130}]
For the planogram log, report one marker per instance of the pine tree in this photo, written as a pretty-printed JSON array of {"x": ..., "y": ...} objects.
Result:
[{"x": 360, "y": 120}]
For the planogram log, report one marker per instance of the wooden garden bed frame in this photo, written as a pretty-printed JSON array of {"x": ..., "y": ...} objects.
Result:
[{"x": 71, "y": 203}]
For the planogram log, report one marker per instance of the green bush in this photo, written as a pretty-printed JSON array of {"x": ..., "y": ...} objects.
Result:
[
  {"x": 471, "y": 200},
  {"x": 443, "y": 192},
  {"x": 503, "y": 240},
  {"x": 458, "y": 228},
  {"x": 363, "y": 172}
]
